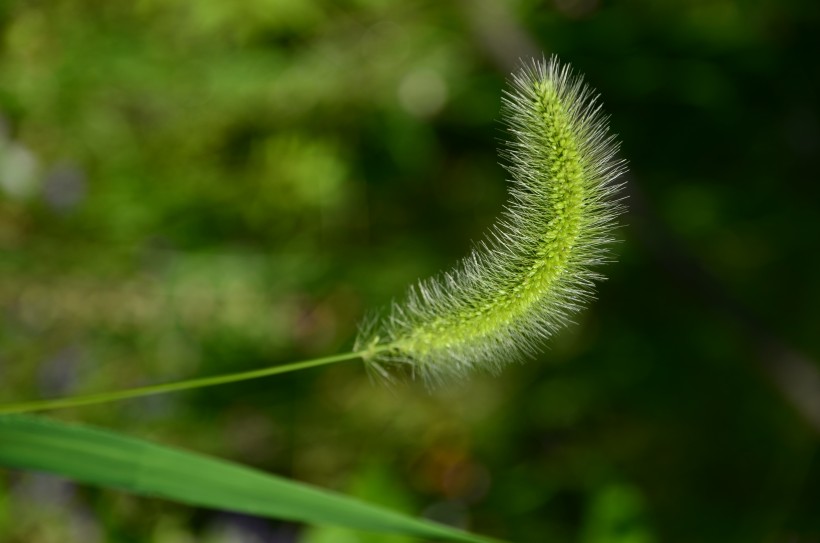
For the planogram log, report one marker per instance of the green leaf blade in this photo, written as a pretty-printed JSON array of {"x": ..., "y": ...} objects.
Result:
[{"x": 104, "y": 458}]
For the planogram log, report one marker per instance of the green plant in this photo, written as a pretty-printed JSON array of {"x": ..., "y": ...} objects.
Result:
[
  {"x": 534, "y": 271},
  {"x": 536, "y": 267}
]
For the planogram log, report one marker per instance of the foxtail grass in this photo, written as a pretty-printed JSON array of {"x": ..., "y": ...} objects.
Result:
[
  {"x": 538, "y": 265},
  {"x": 534, "y": 270}
]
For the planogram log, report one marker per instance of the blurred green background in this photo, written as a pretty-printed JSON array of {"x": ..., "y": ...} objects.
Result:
[{"x": 197, "y": 187}]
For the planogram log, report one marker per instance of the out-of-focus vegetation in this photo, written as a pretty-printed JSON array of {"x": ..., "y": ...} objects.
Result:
[{"x": 191, "y": 188}]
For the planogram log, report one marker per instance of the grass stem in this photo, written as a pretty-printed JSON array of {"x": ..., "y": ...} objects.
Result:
[{"x": 103, "y": 397}]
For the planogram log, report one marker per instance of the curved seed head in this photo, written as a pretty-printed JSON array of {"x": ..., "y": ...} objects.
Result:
[{"x": 537, "y": 265}]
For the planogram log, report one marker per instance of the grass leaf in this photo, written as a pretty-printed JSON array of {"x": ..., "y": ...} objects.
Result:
[{"x": 111, "y": 460}]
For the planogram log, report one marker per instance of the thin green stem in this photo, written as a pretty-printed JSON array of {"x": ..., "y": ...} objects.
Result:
[{"x": 103, "y": 397}]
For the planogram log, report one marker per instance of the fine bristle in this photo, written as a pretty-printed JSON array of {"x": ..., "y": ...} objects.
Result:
[{"x": 536, "y": 267}]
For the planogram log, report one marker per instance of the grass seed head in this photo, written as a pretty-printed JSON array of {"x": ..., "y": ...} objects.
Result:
[{"x": 537, "y": 266}]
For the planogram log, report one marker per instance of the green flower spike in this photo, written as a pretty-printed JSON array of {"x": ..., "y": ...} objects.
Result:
[{"x": 536, "y": 267}]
